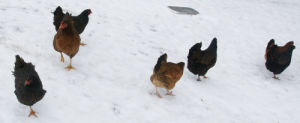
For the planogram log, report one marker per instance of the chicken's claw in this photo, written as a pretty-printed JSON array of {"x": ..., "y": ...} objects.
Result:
[
  {"x": 32, "y": 113},
  {"x": 275, "y": 77},
  {"x": 170, "y": 93},
  {"x": 70, "y": 67},
  {"x": 158, "y": 95}
]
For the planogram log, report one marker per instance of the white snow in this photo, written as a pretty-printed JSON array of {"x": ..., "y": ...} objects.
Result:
[{"x": 111, "y": 83}]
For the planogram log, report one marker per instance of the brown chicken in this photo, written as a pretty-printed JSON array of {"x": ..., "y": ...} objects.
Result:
[
  {"x": 67, "y": 39},
  {"x": 166, "y": 74},
  {"x": 278, "y": 58}
]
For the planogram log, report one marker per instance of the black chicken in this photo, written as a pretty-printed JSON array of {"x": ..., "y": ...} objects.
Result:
[
  {"x": 29, "y": 88},
  {"x": 80, "y": 21},
  {"x": 278, "y": 58},
  {"x": 199, "y": 62}
]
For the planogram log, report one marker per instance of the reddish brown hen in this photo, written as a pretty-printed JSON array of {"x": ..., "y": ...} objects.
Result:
[{"x": 67, "y": 39}]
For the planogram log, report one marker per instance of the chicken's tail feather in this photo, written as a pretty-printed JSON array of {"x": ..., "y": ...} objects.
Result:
[
  {"x": 213, "y": 43},
  {"x": 271, "y": 43},
  {"x": 58, "y": 10},
  {"x": 213, "y": 46},
  {"x": 181, "y": 65},
  {"x": 162, "y": 58},
  {"x": 194, "y": 48},
  {"x": 19, "y": 61}
]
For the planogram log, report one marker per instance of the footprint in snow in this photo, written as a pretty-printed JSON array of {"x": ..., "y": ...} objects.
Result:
[
  {"x": 116, "y": 109},
  {"x": 152, "y": 93},
  {"x": 18, "y": 29}
]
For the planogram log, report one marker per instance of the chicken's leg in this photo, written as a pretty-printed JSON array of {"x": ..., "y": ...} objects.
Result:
[
  {"x": 31, "y": 112},
  {"x": 275, "y": 77},
  {"x": 62, "y": 57},
  {"x": 198, "y": 78},
  {"x": 69, "y": 67},
  {"x": 157, "y": 93},
  {"x": 82, "y": 44}
]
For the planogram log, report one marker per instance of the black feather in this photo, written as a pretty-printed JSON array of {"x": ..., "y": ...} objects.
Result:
[{"x": 58, "y": 17}]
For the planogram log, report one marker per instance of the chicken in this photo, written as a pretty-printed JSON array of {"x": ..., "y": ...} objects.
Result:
[
  {"x": 80, "y": 21},
  {"x": 278, "y": 58},
  {"x": 67, "y": 40},
  {"x": 166, "y": 74},
  {"x": 29, "y": 88},
  {"x": 199, "y": 62}
]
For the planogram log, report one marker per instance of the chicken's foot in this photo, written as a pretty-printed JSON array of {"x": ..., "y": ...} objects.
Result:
[
  {"x": 69, "y": 67},
  {"x": 205, "y": 77},
  {"x": 170, "y": 93},
  {"x": 275, "y": 77},
  {"x": 32, "y": 112}
]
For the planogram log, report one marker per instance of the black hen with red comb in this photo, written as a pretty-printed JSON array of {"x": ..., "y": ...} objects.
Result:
[{"x": 29, "y": 88}]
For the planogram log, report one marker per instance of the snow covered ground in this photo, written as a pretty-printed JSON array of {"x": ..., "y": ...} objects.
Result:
[{"x": 124, "y": 39}]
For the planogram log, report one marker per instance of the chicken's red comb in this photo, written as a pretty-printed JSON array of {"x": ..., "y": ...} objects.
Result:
[{"x": 61, "y": 24}]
